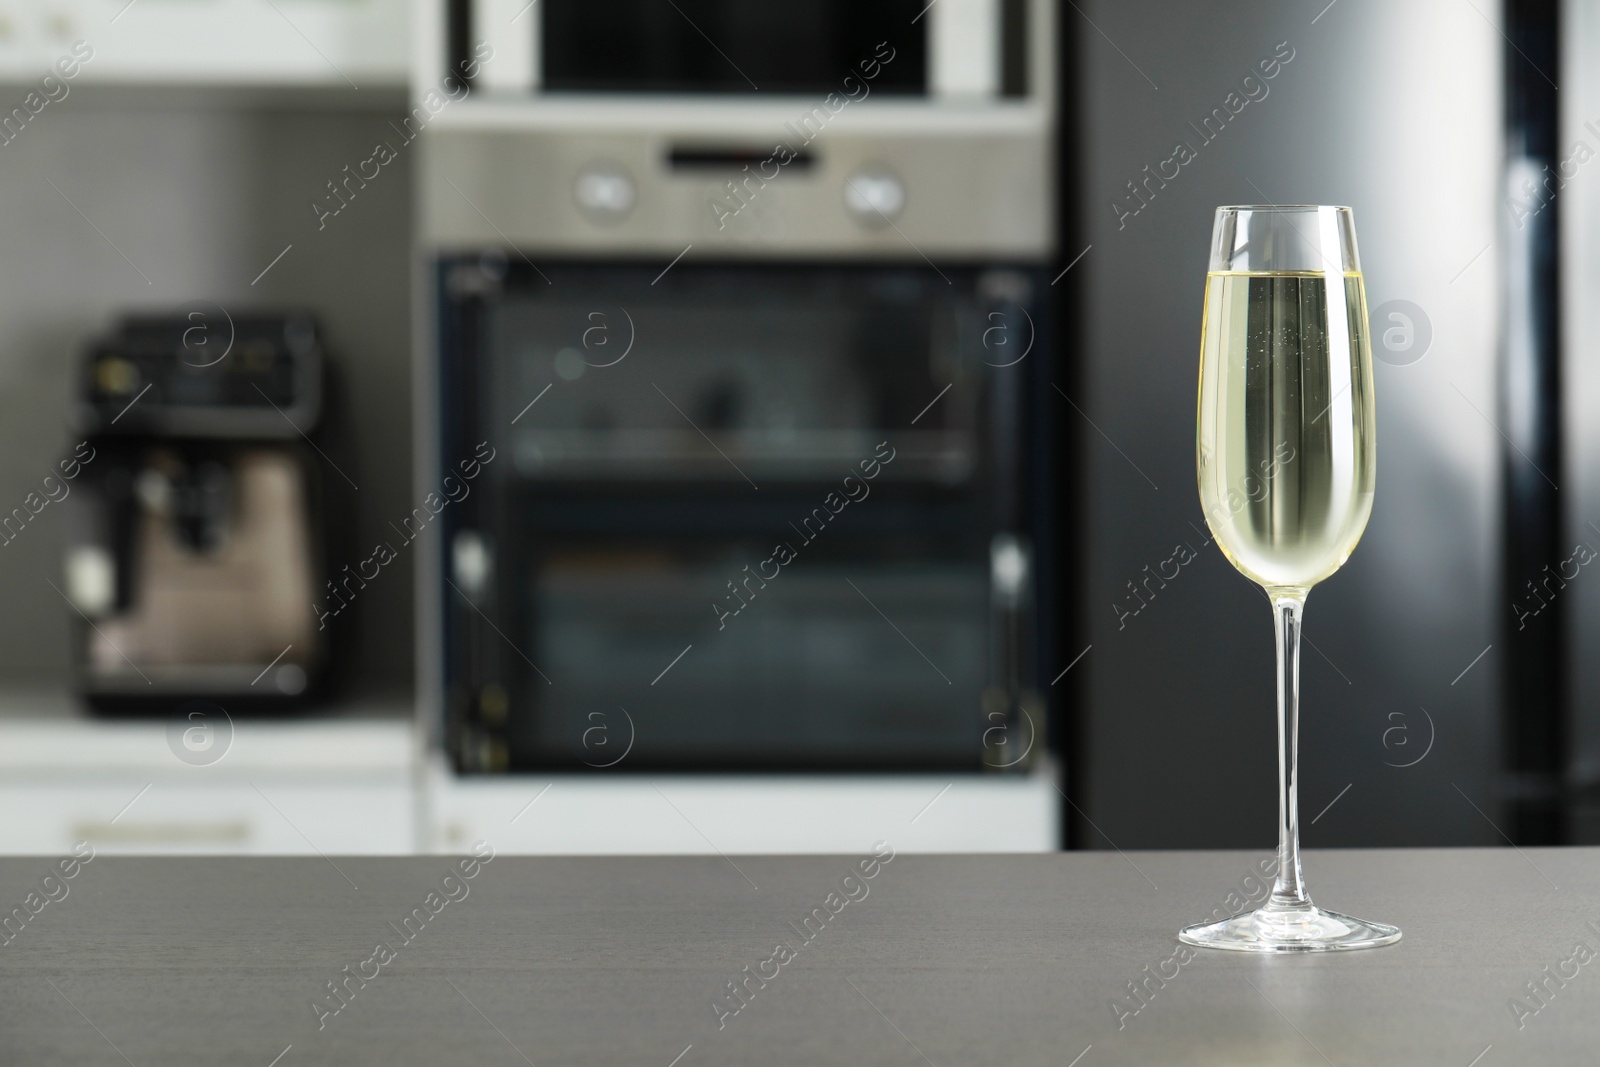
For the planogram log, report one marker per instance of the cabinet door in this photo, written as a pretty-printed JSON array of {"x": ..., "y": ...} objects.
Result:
[
  {"x": 345, "y": 44},
  {"x": 268, "y": 817}
]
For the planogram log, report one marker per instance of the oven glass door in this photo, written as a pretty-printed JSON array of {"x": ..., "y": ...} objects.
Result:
[{"x": 737, "y": 516}]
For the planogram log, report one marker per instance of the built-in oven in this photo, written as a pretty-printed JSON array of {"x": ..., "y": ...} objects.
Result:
[{"x": 737, "y": 458}]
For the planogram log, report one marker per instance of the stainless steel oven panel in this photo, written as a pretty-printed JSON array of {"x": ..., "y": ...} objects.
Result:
[{"x": 888, "y": 181}]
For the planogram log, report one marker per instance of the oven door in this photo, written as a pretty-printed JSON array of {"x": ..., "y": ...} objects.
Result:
[{"x": 737, "y": 516}]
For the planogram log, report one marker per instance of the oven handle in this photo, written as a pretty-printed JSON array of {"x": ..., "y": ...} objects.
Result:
[{"x": 1013, "y": 736}]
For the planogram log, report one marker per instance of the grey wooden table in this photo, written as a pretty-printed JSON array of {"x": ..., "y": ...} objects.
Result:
[{"x": 940, "y": 960}]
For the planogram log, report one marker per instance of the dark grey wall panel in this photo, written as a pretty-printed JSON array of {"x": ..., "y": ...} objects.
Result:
[
  {"x": 1579, "y": 202},
  {"x": 1395, "y": 110}
]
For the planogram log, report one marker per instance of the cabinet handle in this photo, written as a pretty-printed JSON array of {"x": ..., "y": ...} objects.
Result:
[{"x": 162, "y": 833}]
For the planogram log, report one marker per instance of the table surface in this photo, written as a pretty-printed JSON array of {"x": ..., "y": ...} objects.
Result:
[{"x": 941, "y": 960}]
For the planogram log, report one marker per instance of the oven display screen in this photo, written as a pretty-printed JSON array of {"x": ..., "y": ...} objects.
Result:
[{"x": 733, "y": 46}]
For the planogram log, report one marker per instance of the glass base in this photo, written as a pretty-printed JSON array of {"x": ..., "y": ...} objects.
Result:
[{"x": 1306, "y": 928}]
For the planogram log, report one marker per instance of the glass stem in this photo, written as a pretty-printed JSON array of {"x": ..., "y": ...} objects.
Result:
[{"x": 1289, "y": 889}]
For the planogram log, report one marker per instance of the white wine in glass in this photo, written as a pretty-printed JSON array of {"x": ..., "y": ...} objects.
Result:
[{"x": 1287, "y": 462}]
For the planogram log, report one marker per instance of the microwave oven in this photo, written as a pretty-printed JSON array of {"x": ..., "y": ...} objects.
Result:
[{"x": 946, "y": 50}]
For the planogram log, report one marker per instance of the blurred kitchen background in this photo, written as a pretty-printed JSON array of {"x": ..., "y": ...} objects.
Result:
[{"x": 526, "y": 294}]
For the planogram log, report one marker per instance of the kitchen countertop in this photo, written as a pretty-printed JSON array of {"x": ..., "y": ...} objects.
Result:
[{"x": 1002, "y": 959}]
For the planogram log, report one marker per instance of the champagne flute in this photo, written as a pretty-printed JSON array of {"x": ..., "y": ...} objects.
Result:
[{"x": 1287, "y": 464}]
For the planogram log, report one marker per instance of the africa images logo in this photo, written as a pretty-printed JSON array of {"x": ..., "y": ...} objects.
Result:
[{"x": 200, "y": 733}]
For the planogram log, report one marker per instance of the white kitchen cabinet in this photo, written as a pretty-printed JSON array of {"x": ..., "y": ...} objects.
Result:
[
  {"x": 744, "y": 813},
  {"x": 334, "y": 787},
  {"x": 352, "y": 786},
  {"x": 342, "y": 44}
]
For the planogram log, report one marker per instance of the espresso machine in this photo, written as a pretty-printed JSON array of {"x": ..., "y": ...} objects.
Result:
[{"x": 196, "y": 546}]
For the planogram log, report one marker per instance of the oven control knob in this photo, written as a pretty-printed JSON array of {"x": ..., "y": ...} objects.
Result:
[
  {"x": 605, "y": 192},
  {"x": 874, "y": 195}
]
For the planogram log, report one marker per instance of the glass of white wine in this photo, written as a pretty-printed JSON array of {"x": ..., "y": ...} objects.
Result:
[{"x": 1287, "y": 464}]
